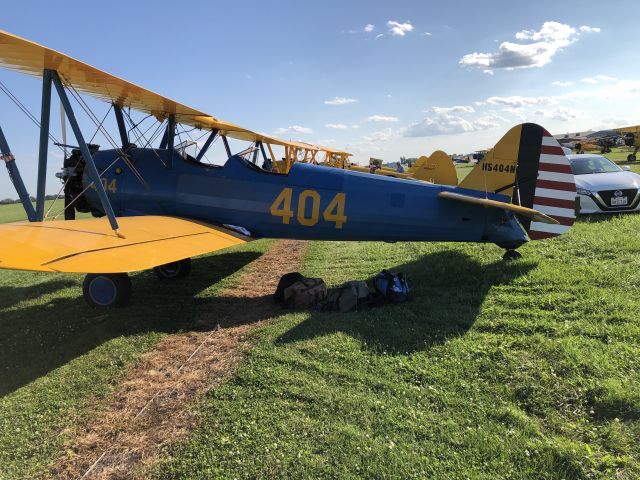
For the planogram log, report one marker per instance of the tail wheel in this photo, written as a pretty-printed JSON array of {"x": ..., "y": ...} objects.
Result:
[
  {"x": 173, "y": 270},
  {"x": 107, "y": 290}
]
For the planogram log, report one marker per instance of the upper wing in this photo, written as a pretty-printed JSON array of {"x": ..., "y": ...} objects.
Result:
[
  {"x": 90, "y": 246},
  {"x": 633, "y": 129},
  {"x": 534, "y": 215},
  {"x": 28, "y": 57}
]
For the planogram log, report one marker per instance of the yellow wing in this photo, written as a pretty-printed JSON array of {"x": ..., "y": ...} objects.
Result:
[
  {"x": 28, "y": 57},
  {"x": 633, "y": 129},
  {"x": 90, "y": 246}
]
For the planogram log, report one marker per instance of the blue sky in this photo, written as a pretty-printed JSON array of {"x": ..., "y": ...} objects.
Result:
[{"x": 376, "y": 78}]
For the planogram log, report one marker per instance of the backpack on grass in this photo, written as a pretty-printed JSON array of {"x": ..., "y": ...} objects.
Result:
[{"x": 393, "y": 286}]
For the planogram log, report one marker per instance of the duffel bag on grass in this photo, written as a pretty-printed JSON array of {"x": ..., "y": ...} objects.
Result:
[
  {"x": 305, "y": 293},
  {"x": 286, "y": 281}
]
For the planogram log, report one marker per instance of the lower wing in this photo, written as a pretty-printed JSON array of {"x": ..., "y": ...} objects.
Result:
[{"x": 90, "y": 246}]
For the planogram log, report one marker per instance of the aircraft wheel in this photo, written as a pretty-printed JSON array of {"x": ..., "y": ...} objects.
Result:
[
  {"x": 107, "y": 290},
  {"x": 510, "y": 255},
  {"x": 173, "y": 270},
  {"x": 631, "y": 157}
]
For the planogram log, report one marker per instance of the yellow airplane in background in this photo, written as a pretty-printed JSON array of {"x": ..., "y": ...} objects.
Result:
[{"x": 631, "y": 137}]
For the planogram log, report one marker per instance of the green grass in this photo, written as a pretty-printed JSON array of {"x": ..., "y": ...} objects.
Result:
[
  {"x": 14, "y": 212},
  {"x": 58, "y": 357},
  {"x": 619, "y": 155},
  {"x": 521, "y": 370}
]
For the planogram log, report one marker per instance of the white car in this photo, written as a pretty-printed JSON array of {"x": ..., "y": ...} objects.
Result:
[{"x": 604, "y": 187}]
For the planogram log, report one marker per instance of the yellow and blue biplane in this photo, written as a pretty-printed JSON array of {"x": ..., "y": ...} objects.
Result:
[{"x": 157, "y": 206}]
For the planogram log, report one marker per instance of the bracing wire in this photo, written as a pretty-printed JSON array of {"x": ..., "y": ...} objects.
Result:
[{"x": 26, "y": 111}]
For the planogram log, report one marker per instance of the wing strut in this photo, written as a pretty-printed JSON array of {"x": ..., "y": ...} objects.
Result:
[
  {"x": 16, "y": 179},
  {"x": 93, "y": 171}
]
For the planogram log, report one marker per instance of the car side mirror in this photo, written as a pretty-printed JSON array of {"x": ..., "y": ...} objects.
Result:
[{"x": 626, "y": 168}]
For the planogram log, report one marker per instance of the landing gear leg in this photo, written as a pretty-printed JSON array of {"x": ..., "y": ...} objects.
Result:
[
  {"x": 511, "y": 254},
  {"x": 107, "y": 290},
  {"x": 173, "y": 270}
]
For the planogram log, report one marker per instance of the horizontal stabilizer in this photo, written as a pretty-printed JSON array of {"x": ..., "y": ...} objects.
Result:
[
  {"x": 90, "y": 246},
  {"x": 534, "y": 215}
]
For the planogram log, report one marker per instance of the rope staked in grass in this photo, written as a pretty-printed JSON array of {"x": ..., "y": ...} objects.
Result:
[{"x": 150, "y": 406}]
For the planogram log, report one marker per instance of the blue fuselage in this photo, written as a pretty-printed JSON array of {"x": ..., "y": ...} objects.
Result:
[{"x": 311, "y": 202}]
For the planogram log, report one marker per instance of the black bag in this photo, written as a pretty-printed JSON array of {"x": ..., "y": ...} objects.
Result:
[{"x": 285, "y": 282}]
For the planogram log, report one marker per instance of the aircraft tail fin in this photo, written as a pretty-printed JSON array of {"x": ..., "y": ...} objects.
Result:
[
  {"x": 438, "y": 168},
  {"x": 529, "y": 166}
]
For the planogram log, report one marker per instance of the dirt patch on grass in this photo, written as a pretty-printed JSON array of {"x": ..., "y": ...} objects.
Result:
[{"x": 152, "y": 407}]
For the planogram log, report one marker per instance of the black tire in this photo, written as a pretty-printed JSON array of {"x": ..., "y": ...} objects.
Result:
[
  {"x": 631, "y": 157},
  {"x": 173, "y": 270},
  {"x": 107, "y": 290},
  {"x": 511, "y": 255}
]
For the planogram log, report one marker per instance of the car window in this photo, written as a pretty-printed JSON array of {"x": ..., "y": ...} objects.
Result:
[{"x": 593, "y": 164}]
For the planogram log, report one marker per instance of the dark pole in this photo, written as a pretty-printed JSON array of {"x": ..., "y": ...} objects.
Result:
[
  {"x": 226, "y": 145},
  {"x": 86, "y": 154},
  {"x": 171, "y": 135},
  {"x": 124, "y": 138},
  {"x": 16, "y": 179},
  {"x": 45, "y": 114},
  {"x": 207, "y": 144}
]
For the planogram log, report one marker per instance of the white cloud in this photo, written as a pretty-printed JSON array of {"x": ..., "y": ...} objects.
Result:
[
  {"x": 381, "y": 135},
  {"x": 537, "y": 49},
  {"x": 621, "y": 89},
  {"x": 563, "y": 114},
  {"x": 598, "y": 78},
  {"x": 517, "y": 101},
  {"x": 568, "y": 83},
  {"x": 518, "y": 112},
  {"x": 354, "y": 125},
  {"x": 490, "y": 120},
  {"x": 381, "y": 118},
  {"x": 337, "y": 126},
  {"x": 587, "y": 29},
  {"x": 397, "y": 29},
  {"x": 294, "y": 129},
  {"x": 426, "y": 34},
  {"x": 550, "y": 31},
  {"x": 340, "y": 101},
  {"x": 440, "y": 125},
  {"x": 454, "y": 109},
  {"x": 369, "y": 27},
  {"x": 380, "y": 35}
]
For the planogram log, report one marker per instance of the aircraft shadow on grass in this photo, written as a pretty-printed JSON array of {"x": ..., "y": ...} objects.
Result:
[
  {"x": 37, "y": 339},
  {"x": 448, "y": 289}
]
